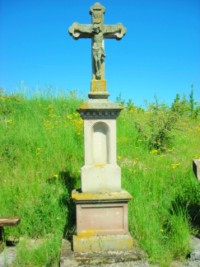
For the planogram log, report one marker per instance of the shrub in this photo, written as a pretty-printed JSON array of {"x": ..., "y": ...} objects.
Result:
[{"x": 156, "y": 127}]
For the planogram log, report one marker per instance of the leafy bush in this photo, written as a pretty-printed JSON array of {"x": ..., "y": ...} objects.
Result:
[{"x": 156, "y": 127}]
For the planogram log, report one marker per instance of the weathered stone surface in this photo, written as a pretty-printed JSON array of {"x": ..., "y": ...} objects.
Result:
[
  {"x": 98, "y": 86},
  {"x": 195, "y": 245},
  {"x": 99, "y": 109},
  {"x": 101, "y": 214},
  {"x": 72, "y": 259},
  {"x": 97, "y": 219},
  {"x": 101, "y": 178},
  {"x": 100, "y": 172},
  {"x": 98, "y": 90},
  {"x": 7, "y": 257},
  {"x": 123, "y": 195},
  {"x": 102, "y": 104},
  {"x": 196, "y": 168},
  {"x": 102, "y": 243},
  {"x": 131, "y": 258}
]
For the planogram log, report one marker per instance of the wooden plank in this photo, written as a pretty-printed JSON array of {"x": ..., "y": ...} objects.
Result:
[{"x": 9, "y": 221}]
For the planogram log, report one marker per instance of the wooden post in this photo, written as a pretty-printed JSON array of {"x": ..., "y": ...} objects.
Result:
[
  {"x": 6, "y": 221},
  {"x": 1, "y": 239}
]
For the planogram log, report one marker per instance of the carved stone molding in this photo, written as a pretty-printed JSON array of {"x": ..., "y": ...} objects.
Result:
[{"x": 99, "y": 113}]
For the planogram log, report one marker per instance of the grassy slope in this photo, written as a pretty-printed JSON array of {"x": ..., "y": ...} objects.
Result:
[
  {"x": 163, "y": 186},
  {"x": 41, "y": 153}
]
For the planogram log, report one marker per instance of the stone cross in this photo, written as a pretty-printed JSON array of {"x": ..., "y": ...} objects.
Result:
[
  {"x": 97, "y": 31},
  {"x": 101, "y": 203}
]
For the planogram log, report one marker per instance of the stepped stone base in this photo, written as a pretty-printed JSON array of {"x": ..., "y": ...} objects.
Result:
[
  {"x": 69, "y": 258},
  {"x": 101, "y": 221},
  {"x": 102, "y": 243}
]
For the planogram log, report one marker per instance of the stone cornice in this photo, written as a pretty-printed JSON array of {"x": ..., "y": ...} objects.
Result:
[
  {"x": 99, "y": 109},
  {"x": 121, "y": 196},
  {"x": 99, "y": 114}
]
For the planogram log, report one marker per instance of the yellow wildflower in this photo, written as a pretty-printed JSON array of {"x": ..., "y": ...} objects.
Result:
[
  {"x": 38, "y": 151},
  {"x": 154, "y": 151},
  {"x": 69, "y": 116},
  {"x": 175, "y": 165},
  {"x": 197, "y": 128},
  {"x": 52, "y": 115},
  {"x": 8, "y": 120}
]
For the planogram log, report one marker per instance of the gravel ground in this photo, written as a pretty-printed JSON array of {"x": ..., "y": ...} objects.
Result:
[{"x": 7, "y": 256}]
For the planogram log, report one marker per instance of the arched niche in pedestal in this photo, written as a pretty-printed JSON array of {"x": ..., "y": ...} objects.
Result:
[{"x": 100, "y": 143}]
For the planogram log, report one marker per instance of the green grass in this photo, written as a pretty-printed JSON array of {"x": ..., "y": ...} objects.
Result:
[{"x": 41, "y": 153}]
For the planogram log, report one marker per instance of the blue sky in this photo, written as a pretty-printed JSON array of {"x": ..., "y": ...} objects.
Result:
[{"x": 160, "y": 54}]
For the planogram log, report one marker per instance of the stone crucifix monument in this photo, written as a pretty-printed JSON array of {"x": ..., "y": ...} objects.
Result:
[{"x": 101, "y": 203}]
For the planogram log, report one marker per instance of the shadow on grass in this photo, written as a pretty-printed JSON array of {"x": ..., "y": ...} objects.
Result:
[
  {"x": 192, "y": 211},
  {"x": 70, "y": 184},
  {"x": 194, "y": 214}
]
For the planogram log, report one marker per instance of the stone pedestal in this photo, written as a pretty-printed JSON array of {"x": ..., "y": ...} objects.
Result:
[
  {"x": 101, "y": 203},
  {"x": 98, "y": 89},
  {"x": 101, "y": 221}
]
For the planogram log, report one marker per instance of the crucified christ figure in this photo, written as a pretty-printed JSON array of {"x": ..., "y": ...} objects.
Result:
[{"x": 98, "y": 51}]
